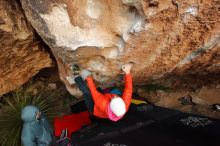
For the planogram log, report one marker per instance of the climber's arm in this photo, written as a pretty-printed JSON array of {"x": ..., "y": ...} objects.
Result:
[{"x": 127, "y": 93}]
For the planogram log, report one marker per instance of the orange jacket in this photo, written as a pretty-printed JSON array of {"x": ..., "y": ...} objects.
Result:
[{"x": 101, "y": 101}]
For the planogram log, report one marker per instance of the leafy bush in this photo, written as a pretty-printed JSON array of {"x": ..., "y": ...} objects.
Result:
[{"x": 48, "y": 102}]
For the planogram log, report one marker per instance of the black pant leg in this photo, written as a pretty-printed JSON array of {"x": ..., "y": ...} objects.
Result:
[{"x": 86, "y": 93}]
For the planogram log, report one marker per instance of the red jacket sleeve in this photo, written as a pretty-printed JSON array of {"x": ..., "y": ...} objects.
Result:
[
  {"x": 99, "y": 99},
  {"x": 127, "y": 94}
]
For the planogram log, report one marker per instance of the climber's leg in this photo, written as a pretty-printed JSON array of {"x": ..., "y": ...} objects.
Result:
[
  {"x": 86, "y": 93},
  {"x": 81, "y": 84}
]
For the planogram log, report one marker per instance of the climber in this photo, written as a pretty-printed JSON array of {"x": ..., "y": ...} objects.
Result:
[
  {"x": 36, "y": 130},
  {"x": 107, "y": 105}
]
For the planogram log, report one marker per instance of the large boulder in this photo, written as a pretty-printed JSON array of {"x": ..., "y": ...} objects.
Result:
[
  {"x": 166, "y": 39},
  {"x": 22, "y": 56}
]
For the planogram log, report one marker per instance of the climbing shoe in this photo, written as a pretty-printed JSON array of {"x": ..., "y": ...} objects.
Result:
[{"x": 75, "y": 69}]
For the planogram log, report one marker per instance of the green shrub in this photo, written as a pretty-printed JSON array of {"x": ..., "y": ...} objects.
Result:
[{"x": 48, "y": 102}]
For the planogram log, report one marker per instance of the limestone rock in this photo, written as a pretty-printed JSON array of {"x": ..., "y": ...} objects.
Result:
[
  {"x": 22, "y": 56},
  {"x": 207, "y": 96},
  {"x": 52, "y": 86},
  {"x": 203, "y": 100},
  {"x": 150, "y": 96},
  {"x": 171, "y": 100},
  {"x": 167, "y": 39}
]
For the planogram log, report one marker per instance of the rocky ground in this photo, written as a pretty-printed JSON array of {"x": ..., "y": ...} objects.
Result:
[
  {"x": 199, "y": 101},
  {"x": 49, "y": 79}
]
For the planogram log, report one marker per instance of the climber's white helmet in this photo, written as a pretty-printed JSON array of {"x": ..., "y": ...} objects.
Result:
[{"x": 117, "y": 106}]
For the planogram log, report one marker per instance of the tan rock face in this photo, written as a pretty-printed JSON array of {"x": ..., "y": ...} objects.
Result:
[
  {"x": 166, "y": 39},
  {"x": 21, "y": 55},
  {"x": 203, "y": 99}
]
